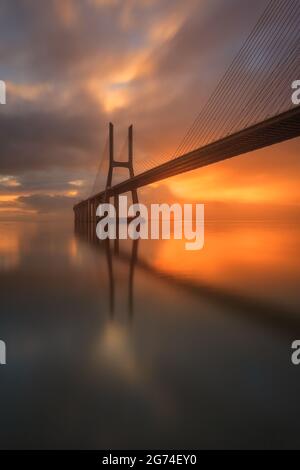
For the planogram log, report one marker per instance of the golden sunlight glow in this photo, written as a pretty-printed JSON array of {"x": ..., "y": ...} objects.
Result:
[
  {"x": 113, "y": 91},
  {"x": 72, "y": 193},
  {"x": 115, "y": 99},
  {"x": 134, "y": 66},
  {"x": 8, "y": 197},
  {"x": 216, "y": 184},
  {"x": 115, "y": 349},
  {"x": 231, "y": 254},
  {"x": 110, "y": 99},
  {"x": 9, "y": 250}
]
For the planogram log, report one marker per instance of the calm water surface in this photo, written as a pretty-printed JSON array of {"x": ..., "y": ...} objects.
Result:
[{"x": 155, "y": 347}]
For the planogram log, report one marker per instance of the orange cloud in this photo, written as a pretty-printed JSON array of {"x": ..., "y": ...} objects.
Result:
[{"x": 27, "y": 91}]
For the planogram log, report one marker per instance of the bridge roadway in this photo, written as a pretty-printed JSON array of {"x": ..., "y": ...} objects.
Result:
[{"x": 274, "y": 130}]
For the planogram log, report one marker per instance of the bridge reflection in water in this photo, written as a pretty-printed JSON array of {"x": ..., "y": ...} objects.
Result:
[
  {"x": 267, "y": 313},
  {"x": 88, "y": 233}
]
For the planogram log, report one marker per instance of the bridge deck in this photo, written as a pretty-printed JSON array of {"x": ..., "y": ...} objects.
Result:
[{"x": 277, "y": 129}]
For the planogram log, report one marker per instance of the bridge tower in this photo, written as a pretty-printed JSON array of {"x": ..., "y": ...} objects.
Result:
[{"x": 114, "y": 163}]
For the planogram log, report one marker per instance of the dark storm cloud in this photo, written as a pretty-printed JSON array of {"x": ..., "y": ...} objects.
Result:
[{"x": 43, "y": 138}]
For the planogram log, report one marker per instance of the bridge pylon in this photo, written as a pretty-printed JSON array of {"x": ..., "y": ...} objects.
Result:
[{"x": 123, "y": 164}]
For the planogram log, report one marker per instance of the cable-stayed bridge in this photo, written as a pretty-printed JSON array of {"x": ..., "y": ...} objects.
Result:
[{"x": 251, "y": 108}]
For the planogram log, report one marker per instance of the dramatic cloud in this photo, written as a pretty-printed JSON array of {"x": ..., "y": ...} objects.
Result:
[{"x": 72, "y": 66}]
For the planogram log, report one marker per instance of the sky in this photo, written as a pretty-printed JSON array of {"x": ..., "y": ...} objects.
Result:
[{"x": 72, "y": 66}]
